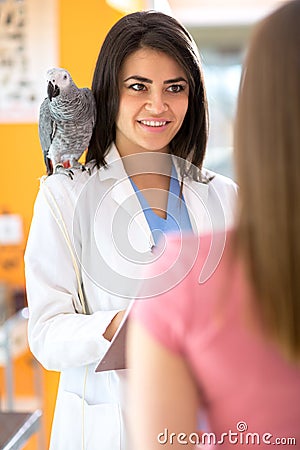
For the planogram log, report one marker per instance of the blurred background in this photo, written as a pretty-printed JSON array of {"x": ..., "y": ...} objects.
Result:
[{"x": 34, "y": 36}]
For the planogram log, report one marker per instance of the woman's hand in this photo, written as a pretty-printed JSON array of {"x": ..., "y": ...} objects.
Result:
[{"x": 113, "y": 326}]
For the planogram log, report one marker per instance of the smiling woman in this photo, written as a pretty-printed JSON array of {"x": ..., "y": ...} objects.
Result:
[{"x": 145, "y": 179}]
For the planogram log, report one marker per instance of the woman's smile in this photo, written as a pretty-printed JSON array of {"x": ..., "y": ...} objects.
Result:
[{"x": 154, "y": 126}]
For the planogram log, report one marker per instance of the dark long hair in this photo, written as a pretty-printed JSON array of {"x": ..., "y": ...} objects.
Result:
[
  {"x": 267, "y": 155},
  {"x": 161, "y": 32}
]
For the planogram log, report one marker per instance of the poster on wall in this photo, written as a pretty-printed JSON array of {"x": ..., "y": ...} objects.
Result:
[{"x": 28, "y": 47}]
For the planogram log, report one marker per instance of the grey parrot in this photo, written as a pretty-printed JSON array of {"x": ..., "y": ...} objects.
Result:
[{"x": 66, "y": 120}]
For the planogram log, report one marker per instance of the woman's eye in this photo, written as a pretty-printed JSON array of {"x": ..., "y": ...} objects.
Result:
[
  {"x": 137, "y": 87},
  {"x": 175, "y": 88}
]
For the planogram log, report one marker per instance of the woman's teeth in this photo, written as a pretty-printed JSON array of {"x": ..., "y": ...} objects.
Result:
[{"x": 153, "y": 123}]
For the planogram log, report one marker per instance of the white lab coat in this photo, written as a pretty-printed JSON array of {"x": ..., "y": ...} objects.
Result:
[{"x": 110, "y": 249}]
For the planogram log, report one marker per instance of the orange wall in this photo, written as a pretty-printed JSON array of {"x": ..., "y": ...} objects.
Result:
[{"x": 82, "y": 27}]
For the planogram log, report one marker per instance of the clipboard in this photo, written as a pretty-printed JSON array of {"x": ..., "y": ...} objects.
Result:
[{"x": 115, "y": 356}]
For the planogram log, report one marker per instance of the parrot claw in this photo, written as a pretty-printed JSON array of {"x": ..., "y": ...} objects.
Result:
[
  {"x": 59, "y": 168},
  {"x": 78, "y": 165}
]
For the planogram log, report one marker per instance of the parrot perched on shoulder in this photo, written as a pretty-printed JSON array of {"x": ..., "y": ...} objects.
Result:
[{"x": 66, "y": 120}]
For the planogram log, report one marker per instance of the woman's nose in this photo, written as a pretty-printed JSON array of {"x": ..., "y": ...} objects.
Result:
[{"x": 156, "y": 104}]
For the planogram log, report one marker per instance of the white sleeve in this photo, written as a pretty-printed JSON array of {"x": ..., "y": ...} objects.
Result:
[{"x": 58, "y": 336}]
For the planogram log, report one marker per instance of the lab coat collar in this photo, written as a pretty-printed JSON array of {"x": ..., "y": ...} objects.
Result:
[
  {"x": 195, "y": 192},
  {"x": 114, "y": 168}
]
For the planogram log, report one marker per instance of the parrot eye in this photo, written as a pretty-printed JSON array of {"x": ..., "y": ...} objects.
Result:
[{"x": 65, "y": 77}]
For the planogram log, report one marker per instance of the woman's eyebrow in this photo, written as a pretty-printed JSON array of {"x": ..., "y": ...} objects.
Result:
[
  {"x": 147, "y": 80},
  {"x": 138, "y": 78},
  {"x": 175, "y": 80}
]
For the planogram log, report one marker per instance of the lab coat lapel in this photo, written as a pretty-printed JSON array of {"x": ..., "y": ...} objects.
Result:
[
  {"x": 123, "y": 194},
  {"x": 195, "y": 194}
]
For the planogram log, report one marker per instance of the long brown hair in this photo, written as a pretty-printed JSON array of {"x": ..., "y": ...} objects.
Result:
[
  {"x": 267, "y": 157},
  {"x": 161, "y": 32}
]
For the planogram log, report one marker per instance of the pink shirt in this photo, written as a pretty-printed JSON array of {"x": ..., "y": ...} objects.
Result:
[{"x": 243, "y": 379}]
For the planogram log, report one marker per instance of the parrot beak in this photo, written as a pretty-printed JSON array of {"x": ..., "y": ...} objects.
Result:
[{"x": 52, "y": 91}]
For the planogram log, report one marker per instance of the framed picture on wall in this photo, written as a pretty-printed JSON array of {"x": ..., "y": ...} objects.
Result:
[{"x": 28, "y": 47}]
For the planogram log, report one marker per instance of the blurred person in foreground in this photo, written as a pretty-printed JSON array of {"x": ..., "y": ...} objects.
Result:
[{"x": 228, "y": 342}]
